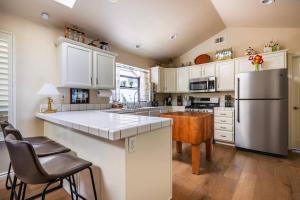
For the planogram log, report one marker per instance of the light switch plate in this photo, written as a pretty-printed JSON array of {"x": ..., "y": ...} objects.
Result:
[{"x": 132, "y": 144}]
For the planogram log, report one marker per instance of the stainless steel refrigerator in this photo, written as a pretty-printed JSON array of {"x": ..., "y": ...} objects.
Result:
[{"x": 261, "y": 111}]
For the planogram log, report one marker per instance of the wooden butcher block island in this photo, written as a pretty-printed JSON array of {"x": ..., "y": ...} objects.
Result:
[{"x": 193, "y": 128}]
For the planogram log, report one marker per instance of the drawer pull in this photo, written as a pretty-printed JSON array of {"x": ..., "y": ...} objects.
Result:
[
  {"x": 223, "y": 120},
  {"x": 223, "y": 114},
  {"x": 223, "y": 127},
  {"x": 223, "y": 136}
]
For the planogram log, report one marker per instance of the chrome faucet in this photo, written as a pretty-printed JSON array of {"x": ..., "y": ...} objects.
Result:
[{"x": 134, "y": 98}]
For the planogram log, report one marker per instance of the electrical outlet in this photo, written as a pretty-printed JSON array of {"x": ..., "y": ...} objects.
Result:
[{"x": 132, "y": 144}]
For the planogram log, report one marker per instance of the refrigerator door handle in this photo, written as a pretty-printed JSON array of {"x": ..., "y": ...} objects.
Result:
[{"x": 238, "y": 100}]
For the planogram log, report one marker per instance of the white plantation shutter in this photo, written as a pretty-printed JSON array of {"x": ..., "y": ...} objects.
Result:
[{"x": 5, "y": 63}]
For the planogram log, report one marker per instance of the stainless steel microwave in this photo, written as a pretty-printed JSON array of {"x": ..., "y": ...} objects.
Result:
[{"x": 207, "y": 84}]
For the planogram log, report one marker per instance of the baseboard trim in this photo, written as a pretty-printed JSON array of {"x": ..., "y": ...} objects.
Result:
[{"x": 3, "y": 176}]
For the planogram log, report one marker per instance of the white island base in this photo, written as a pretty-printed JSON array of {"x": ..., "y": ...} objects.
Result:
[{"x": 144, "y": 174}]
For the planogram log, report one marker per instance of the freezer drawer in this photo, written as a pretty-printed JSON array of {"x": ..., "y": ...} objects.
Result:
[{"x": 262, "y": 125}]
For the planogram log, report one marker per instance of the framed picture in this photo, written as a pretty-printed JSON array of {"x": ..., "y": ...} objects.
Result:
[
  {"x": 79, "y": 96},
  {"x": 224, "y": 54}
]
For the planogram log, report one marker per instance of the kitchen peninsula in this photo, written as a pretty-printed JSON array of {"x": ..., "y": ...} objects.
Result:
[{"x": 133, "y": 154}]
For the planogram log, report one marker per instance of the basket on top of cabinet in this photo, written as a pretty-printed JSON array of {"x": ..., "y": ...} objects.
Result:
[{"x": 224, "y": 124}]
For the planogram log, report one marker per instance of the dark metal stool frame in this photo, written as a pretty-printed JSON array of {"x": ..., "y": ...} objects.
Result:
[
  {"x": 73, "y": 188},
  {"x": 39, "y": 141},
  {"x": 37, "y": 173}
]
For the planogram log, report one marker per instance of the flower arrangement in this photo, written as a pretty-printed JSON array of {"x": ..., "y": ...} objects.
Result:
[{"x": 256, "y": 60}]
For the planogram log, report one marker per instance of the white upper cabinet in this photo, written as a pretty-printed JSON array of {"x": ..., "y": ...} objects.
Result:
[
  {"x": 83, "y": 66},
  {"x": 170, "y": 80},
  {"x": 274, "y": 60},
  {"x": 157, "y": 78},
  {"x": 208, "y": 70},
  {"x": 243, "y": 65},
  {"x": 104, "y": 76},
  {"x": 195, "y": 71},
  {"x": 225, "y": 75},
  {"x": 200, "y": 71},
  {"x": 183, "y": 79},
  {"x": 76, "y": 65}
]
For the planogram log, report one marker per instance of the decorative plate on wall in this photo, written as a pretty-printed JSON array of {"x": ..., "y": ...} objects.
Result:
[{"x": 203, "y": 58}]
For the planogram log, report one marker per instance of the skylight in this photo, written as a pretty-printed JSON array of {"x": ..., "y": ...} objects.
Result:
[{"x": 68, "y": 3}]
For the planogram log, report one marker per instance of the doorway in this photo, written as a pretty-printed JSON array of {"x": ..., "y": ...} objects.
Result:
[{"x": 294, "y": 103}]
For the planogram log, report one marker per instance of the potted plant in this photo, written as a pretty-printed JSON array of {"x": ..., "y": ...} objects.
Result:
[{"x": 256, "y": 60}]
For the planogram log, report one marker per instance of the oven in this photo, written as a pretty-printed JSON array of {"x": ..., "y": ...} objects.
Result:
[{"x": 207, "y": 84}]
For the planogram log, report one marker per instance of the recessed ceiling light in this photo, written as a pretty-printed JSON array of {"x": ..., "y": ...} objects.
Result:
[
  {"x": 68, "y": 3},
  {"x": 267, "y": 2},
  {"x": 113, "y": 1},
  {"x": 173, "y": 36},
  {"x": 45, "y": 16}
]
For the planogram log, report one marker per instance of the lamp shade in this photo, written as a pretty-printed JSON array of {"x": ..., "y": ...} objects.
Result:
[{"x": 48, "y": 89}]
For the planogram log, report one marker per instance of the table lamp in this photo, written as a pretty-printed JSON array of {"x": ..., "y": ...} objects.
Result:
[{"x": 49, "y": 90}]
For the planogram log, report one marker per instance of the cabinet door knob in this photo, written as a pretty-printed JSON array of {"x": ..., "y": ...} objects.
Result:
[{"x": 296, "y": 108}]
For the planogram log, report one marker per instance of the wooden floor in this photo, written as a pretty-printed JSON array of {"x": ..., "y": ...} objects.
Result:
[{"x": 231, "y": 174}]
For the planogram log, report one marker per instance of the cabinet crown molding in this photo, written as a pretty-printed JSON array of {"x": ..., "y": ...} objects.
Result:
[{"x": 61, "y": 39}]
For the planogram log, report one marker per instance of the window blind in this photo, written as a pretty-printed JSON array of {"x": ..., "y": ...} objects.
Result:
[
  {"x": 4, "y": 75},
  {"x": 126, "y": 94}
]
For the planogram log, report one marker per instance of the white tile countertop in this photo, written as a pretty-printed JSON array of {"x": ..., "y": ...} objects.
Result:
[{"x": 111, "y": 126}]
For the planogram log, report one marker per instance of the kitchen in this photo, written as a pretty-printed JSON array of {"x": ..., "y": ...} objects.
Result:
[{"x": 106, "y": 95}]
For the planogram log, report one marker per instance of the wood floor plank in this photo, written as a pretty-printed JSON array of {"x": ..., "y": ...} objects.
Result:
[{"x": 245, "y": 187}]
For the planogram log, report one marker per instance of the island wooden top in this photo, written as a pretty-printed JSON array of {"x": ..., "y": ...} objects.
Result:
[
  {"x": 191, "y": 127},
  {"x": 186, "y": 114}
]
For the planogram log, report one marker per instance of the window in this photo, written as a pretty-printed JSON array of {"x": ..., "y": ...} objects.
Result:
[
  {"x": 132, "y": 84},
  {"x": 6, "y": 77}
]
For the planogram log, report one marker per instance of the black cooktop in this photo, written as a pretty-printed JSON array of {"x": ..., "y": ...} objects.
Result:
[{"x": 203, "y": 106}]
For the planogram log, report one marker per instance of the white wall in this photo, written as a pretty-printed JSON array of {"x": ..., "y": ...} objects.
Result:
[
  {"x": 241, "y": 38},
  {"x": 35, "y": 61}
]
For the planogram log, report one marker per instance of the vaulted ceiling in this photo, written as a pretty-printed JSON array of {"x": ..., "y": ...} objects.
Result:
[{"x": 150, "y": 23}]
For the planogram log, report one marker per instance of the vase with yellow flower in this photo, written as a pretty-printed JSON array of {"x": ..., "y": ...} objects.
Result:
[{"x": 256, "y": 60}]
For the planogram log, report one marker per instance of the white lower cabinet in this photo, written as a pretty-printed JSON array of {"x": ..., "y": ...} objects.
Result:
[
  {"x": 224, "y": 136},
  {"x": 224, "y": 124}
]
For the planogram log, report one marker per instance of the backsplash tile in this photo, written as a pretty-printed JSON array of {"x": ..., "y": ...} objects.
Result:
[{"x": 75, "y": 107}]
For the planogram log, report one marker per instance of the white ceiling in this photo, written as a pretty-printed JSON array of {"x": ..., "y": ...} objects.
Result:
[
  {"x": 150, "y": 23},
  {"x": 251, "y": 13}
]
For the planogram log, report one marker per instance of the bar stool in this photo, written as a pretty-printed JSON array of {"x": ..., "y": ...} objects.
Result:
[
  {"x": 45, "y": 170},
  {"x": 43, "y": 146}
]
